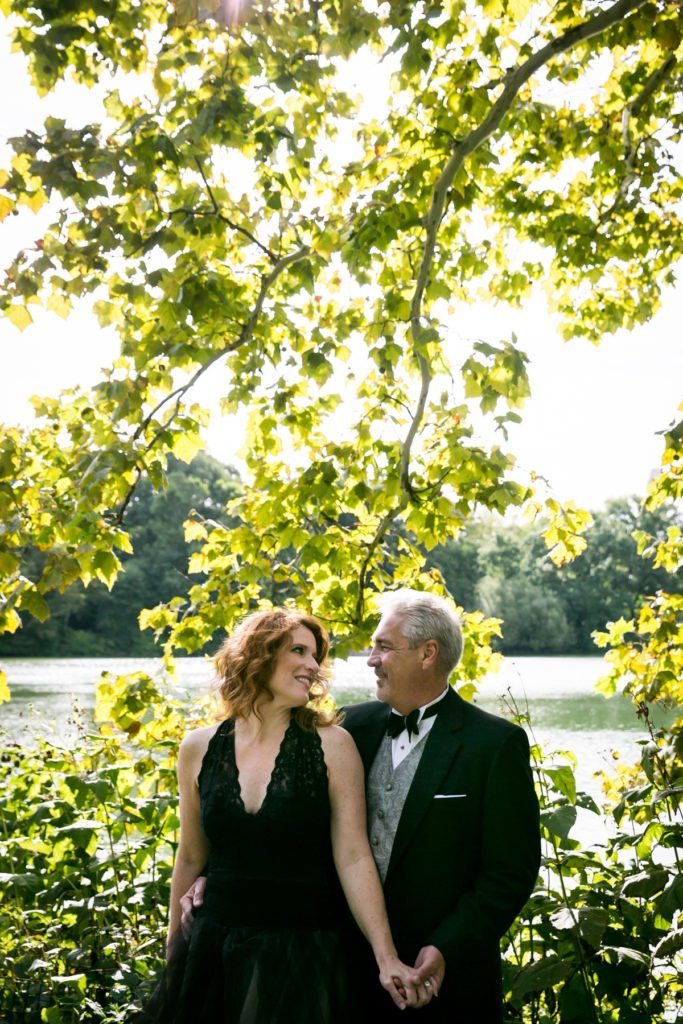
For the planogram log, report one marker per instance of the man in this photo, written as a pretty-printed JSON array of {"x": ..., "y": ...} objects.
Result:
[
  {"x": 452, "y": 817},
  {"x": 452, "y": 814}
]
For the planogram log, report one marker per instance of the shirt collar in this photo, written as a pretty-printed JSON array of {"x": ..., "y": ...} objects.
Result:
[{"x": 424, "y": 707}]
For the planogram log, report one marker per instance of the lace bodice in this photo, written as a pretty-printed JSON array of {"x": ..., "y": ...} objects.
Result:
[{"x": 279, "y": 852}]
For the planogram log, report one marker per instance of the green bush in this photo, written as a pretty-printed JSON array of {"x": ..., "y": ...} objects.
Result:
[
  {"x": 87, "y": 836},
  {"x": 599, "y": 941}
]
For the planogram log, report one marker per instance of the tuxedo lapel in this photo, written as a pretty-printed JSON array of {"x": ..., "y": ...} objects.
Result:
[
  {"x": 441, "y": 748},
  {"x": 367, "y": 734}
]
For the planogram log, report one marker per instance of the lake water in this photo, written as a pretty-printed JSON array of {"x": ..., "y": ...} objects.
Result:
[{"x": 566, "y": 712}]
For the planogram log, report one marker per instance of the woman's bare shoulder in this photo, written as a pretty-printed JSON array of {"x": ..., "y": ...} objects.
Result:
[
  {"x": 337, "y": 742},
  {"x": 195, "y": 742}
]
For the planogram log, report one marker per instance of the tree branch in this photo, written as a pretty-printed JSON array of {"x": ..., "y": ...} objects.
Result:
[
  {"x": 462, "y": 148},
  {"x": 226, "y": 220},
  {"x": 245, "y": 336},
  {"x": 653, "y": 83},
  {"x": 380, "y": 534},
  {"x": 631, "y": 110}
]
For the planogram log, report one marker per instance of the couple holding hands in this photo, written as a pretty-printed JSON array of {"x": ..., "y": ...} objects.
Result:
[{"x": 413, "y": 816}]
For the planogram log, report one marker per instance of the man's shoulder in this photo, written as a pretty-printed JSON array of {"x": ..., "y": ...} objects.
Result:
[
  {"x": 359, "y": 714},
  {"x": 489, "y": 727}
]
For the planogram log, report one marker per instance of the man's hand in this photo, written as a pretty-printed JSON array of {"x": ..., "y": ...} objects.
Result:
[
  {"x": 193, "y": 898},
  {"x": 431, "y": 967}
]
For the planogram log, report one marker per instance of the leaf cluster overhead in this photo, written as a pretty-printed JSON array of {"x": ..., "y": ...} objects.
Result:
[{"x": 236, "y": 211}]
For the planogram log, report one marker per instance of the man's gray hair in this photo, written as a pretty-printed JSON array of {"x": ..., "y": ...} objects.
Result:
[{"x": 426, "y": 617}]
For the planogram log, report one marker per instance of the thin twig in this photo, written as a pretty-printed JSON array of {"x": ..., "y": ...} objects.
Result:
[
  {"x": 226, "y": 220},
  {"x": 631, "y": 110},
  {"x": 244, "y": 336}
]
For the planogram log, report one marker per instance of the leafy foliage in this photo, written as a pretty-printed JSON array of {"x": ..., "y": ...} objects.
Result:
[
  {"x": 87, "y": 835},
  {"x": 95, "y": 621},
  {"x": 597, "y": 942},
  {"x": 646, "y": 652},
  {"x": 505, "y": 570},
  {"x": 502, "y": 569},
  {"x": 214, "y": 222}
]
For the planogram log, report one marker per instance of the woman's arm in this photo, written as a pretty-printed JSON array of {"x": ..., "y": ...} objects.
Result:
[
  {"x": 356, "y": 867},
  {"x": 193, "y": 848}
]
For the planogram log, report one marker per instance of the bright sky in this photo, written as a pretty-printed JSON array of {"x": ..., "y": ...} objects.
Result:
[{"x": 590, "y": 427}]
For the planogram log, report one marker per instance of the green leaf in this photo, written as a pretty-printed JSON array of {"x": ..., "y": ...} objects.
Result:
[
  {"x": 651, "y": 835},
  {"x": 634, "y": 958},
  {"x": 669, "y": 945},
  {"x": 646, "y": 883},
  {"x": 564, "y": 781},
  {"x": 559, "y": 821},
  {"x": 588, "y": 922},
  {"x": 106, "y": 566},
  {"x": 51, "y": 1015},
  {"x": 542, "y": 974},
  {"x": 35, "y": 603}
]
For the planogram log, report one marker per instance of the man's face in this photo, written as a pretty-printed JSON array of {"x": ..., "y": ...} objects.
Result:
[{"x": 397, "y": 666}]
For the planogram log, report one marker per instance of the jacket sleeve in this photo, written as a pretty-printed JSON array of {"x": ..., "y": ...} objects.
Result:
[{"x": 510, "y": 855}]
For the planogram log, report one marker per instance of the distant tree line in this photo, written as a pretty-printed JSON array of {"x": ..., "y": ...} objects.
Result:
[
  {"x": 92, "y": 621},
  {"x": 505, "y": 571},
  {"x": 501, "y": 569}
]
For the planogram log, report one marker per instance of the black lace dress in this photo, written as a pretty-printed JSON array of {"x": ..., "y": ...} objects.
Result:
[{"x": 267, "y": 946}]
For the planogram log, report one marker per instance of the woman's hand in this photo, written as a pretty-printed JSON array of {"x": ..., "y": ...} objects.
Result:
[
  {"x": 402, "y": 983},
  {"x": 191, "y": 901}
]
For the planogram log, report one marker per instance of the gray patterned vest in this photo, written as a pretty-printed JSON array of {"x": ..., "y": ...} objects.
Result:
[{"x": 387, "y": 789}]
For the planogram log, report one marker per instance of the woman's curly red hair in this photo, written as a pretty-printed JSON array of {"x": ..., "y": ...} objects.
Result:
[{"x": 245, "y": 664}]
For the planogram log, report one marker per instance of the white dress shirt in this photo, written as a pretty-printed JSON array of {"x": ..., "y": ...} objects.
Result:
[{"x": 402, "y": 744}]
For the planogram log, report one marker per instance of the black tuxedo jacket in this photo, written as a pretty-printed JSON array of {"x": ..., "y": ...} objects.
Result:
[{"x": 466, "y": 852}]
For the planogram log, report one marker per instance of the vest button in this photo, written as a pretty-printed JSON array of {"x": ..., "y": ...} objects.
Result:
[
  {"x": 380, "y": 814},
  {"x": 389, "y": 786},
  {"x": 375, "y": 841}
]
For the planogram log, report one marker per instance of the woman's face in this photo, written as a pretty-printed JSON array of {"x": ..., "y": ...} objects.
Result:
[{"x": 295, "y": 669}]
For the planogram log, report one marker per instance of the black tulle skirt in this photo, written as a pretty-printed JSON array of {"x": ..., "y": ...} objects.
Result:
[{"x": 248, "y": 975}]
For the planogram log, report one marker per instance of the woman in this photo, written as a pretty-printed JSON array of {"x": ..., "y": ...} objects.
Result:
[{"x": 271, "y": 803}]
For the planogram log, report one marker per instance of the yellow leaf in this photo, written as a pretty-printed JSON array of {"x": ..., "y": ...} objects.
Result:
[
  {"x": 519, "y": 8},
  {"x": 194, "y": 530},
  {"x": 9, "y": 621},
  {"x": 4, "y": 688},
  {"x": 34, "y": 200},
  {"x": 198, "y": 563},
  {"x": 59, "y": 305},
  {"x": 20, "y": 317},
  {"x": 6, "y": 207},
  {"x": 122, "y": 541},
  {"x": 146, "y": 618},
  {"x": 186, "y": 446}
]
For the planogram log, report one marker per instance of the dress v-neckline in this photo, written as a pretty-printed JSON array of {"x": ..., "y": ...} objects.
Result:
[{"x": 276, "y": 764}]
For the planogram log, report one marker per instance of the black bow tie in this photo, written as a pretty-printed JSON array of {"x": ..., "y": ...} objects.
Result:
[{"x": 397, "y": 723}]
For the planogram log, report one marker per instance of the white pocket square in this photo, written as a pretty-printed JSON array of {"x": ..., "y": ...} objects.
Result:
[{"x": 449, "y": 796}]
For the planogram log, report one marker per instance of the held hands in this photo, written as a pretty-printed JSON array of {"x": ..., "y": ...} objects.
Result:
[
  {"x": 401, "y": 982},
  {"x": 431, "y": 968},
  {"x": 193, "y": 899}
]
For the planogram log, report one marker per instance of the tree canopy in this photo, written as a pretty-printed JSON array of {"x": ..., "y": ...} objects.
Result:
[
  {"x": 95, "y": 621},
  {"x": 238, "y": 211},
  {"x": 502, "y": 569},
  {"x": 235, "y": 211}
]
